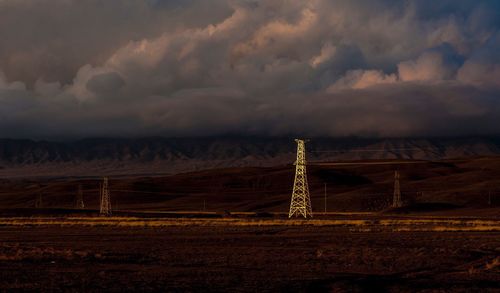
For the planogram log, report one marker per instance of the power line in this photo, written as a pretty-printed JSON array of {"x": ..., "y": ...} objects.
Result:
[
  {"x": 322, "y": 163},
  {"x": 136, "y": 191},
  {"x": 370, "y": 150}
]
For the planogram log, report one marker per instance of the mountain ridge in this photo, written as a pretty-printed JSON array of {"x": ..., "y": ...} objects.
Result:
[{"x": 173, "y": 155}]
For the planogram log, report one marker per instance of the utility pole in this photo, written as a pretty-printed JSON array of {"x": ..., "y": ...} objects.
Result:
[
  {"x": 301, "y": 201},
  {"x": 79, "y": 198},
  {"x": 396, "y": 200},
  {"x": 489, "y": 198},
  {"x": 105, "y": 209},
  {"x": 325, "y": 198},
  {"x": 38, "y": 201}
]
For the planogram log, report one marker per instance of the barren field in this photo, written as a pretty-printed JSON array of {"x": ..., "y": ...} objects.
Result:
[
  {"x": 228, "y": 230},
  {"x": 342, "y": 257},
  {"x": 453, "y": 187}
]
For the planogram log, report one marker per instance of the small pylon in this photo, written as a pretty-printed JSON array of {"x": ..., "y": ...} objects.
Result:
[
  {"x": 301, "y": 202},
  {"x": 105, "y": 199},
  {"x": 79, "y": 198},
  {"x": 396, "y": 199}
]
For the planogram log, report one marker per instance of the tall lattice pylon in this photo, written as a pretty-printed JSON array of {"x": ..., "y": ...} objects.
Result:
[
  {"x": 105, "y": 199},
  {"x": 79, "y": 198},
  {"x": 396, "y": 199},
  {"x": 301, "y": 202}
]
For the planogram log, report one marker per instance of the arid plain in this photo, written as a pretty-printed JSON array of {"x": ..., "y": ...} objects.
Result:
[{"x": 227, "y": 229}]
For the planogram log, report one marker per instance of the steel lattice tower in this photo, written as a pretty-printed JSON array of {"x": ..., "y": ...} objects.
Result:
[
  {"x": 396, "y": 200},
  {"x": 105, "y": 199},
  {"x": 301, "y": 202},
  {"x": 79, "y": 198}
]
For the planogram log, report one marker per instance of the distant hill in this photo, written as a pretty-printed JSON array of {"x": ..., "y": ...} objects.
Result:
[
  {"x": 173, "y": 155},
  {"x": 465, "y": 187}
]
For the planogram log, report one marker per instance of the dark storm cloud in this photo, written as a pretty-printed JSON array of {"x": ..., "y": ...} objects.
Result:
[
  {"x": 105, "y": 83},
  {"x": 391, "y": 68}
]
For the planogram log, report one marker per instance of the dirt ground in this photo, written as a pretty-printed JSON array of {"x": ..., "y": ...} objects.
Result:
[{"x": 245, "y": 259}]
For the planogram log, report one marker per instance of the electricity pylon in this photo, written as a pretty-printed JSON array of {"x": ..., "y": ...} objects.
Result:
[
  {"x": 396, "y": 199},
  {"x": 105, "y": 199},
  {"x": 301, "y": 202},
  {"x": 79, "y": 198}
]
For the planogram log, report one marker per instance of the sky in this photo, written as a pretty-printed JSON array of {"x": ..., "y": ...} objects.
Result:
[{"x": 129, "y": 68}]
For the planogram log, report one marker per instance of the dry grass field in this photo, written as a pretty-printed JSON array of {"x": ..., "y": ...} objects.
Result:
[
  {"x": 130, "y": 255},
  {"x": 373, "y": 223},
  {"x": 227, "y": 230}
]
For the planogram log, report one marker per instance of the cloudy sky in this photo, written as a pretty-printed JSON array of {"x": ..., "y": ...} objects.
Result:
[{"x": 80, "y": 68}]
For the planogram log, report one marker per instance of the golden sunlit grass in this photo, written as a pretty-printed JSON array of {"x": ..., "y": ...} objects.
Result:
[
  {"x": 495, "y": 263},
  {"x": 399, "y": 225}
]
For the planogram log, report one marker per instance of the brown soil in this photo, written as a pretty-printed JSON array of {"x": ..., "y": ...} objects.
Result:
[{"x": 246, "y": 259}]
